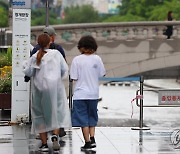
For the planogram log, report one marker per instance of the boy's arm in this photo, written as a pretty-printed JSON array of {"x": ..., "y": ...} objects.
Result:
[
  {"x": 102, "y": 71},
  {"x": 73, "y": 70}
]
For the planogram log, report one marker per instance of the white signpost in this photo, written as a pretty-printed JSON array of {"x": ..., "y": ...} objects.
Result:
[{"x": 20, "y": 52}]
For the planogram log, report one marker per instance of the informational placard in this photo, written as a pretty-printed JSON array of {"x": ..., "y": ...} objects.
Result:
[
  {"x": 21, "y": 52},
  {"x": 169, "y": 97}
]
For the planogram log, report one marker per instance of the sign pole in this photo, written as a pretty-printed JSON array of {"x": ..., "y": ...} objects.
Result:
[{"x": 47, "y": 13}]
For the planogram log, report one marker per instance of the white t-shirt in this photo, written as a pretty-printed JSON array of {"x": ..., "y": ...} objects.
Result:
[{"x": 86, "y": 70}]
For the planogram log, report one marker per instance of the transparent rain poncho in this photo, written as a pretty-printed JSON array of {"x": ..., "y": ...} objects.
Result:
[{"x": 49, "y": 101}]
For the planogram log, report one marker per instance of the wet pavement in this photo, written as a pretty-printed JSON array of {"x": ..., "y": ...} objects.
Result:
[
  {"x": 16, "y": 139},
  {"x": 114, "y": 134}
]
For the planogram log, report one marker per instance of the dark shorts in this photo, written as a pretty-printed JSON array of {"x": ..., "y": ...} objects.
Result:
[{"x": 84, "y": 113}]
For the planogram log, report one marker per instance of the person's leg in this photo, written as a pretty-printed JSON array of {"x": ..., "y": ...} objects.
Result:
[
  {"x": 93, "y": 119},
  {"x": 92, "y": 114},
  {"x": 56, "y": 132},
  {"x": 87, "y": 145},
  {"x": 85, "y": 131},
  {"x": 80, "y": 119},
  {"x": 79, "y": 113},
  {"x": 54, "y": 139},
  {"x": 43, "y": 137},
  {"x": 44, "y": 146},
  {"x": 92, "y": 131},
  {"x": 92, "y": 139}
]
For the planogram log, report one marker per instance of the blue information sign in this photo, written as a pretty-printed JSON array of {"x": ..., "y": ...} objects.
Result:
[{"x": 21, "y": 4}]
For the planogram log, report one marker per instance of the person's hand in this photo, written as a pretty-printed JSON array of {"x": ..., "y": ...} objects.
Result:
[
  {"x": 26, "y": 79},
  {"x": 24, "y": 64}
]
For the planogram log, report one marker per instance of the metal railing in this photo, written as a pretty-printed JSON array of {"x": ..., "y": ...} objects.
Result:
[
  {"x": 141, "y": 106},
  {"x": 116, "y": 31}
]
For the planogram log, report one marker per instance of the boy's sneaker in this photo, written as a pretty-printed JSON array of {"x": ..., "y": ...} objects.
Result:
[
  {"x": 56, "y": 145},
  {"x": 44, "y": 148},
  {"x": 93, "y": 143},
  {"x": 86, "y": 147}
]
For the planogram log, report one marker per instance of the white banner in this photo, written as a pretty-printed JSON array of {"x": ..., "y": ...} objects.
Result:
[{"x": 169, "y": 97}]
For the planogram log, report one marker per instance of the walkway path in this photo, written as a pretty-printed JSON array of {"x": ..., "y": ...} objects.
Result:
[{"x": 110, "y": 140}]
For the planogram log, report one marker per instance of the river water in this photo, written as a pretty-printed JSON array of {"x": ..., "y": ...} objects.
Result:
[{"x": 115, "y": 109}]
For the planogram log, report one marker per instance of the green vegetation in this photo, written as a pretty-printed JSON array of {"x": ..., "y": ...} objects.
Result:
[
  {"x": 4, "y": 4},
  {"x": 149, "y": 10},
  {"x": 3, "y": 13},
  {"x": 83, "y": 14},
  {"x": 5, "y": 84},
  {"x": 128, "y": 17},
  {"x": 38, "y": 17},
  {"x": 5, "y": 71},
  {"x": 6, "y": 58},
  {"x": 130, "y": 10}
]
